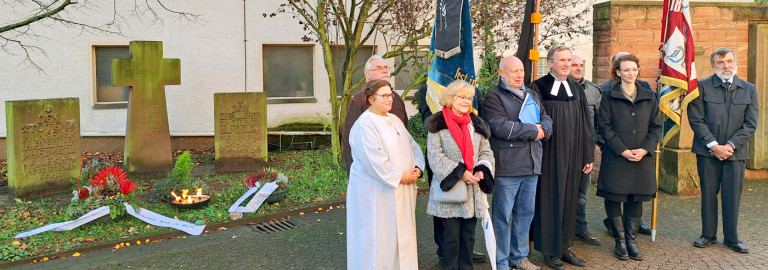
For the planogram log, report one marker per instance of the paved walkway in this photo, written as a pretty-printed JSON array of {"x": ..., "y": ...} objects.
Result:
[{"x": 318, "y": 242}]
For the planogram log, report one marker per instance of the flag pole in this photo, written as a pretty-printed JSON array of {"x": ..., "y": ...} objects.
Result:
[
  {"x": 655, "y": 205},
  {"x": 535, "y": 46}
]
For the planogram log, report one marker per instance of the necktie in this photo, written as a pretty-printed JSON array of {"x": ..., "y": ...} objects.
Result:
[{"x": 727, "y": 85}]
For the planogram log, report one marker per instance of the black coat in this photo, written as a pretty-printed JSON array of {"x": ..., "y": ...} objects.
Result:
[{"x": 627, "y": 125}]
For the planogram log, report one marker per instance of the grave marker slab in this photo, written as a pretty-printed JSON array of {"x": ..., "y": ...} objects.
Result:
[
  {"x": 43, "y": 144},
  {"x": 241, "y": 131},
  {"x": 147, "y": 138}
]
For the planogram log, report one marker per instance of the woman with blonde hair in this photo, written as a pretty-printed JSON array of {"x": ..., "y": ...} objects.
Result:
[{"x": 460, "y": 157}]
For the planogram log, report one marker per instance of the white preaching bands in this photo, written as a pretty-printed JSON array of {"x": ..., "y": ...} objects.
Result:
[{"x": 556, "y": 87}]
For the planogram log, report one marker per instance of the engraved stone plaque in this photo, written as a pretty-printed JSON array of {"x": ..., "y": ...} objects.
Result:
[
  {"x": 241, "y": 131},
  {"x": 43, "y": 142}
]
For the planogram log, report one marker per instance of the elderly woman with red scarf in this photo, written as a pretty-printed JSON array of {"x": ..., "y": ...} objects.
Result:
[{"x": 458, "y": 150}]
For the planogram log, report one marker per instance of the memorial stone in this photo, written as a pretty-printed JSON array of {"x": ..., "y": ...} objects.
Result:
[
  {"x": 147, "y": 138},
  {"x": 241, "y": 131},
  {"x": 43, "y": 144}
]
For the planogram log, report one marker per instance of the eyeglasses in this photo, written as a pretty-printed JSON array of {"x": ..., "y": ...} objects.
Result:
[
  {"x": 386, "y": 96},
  {"x": 380, "y": 69},
  {"x": 465, "y": 98}
]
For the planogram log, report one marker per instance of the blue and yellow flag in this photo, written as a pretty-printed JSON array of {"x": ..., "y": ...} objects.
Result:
[{"x": 451, "y": 48}]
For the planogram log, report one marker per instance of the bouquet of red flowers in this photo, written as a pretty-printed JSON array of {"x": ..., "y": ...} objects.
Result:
[{"x": 109, "y": 187}]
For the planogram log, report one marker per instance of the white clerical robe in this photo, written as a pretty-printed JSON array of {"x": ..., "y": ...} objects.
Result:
[{"x": 381, "y": 222}]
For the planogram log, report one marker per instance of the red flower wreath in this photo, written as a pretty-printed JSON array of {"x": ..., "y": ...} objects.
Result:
[{"x": 113, "y": 176}]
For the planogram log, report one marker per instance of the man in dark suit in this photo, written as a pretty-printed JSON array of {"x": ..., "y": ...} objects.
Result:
[{"x": 723, "y": 119}]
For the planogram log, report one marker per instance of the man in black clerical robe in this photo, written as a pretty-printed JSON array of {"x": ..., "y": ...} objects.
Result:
[{"x": 567, "y": 156}]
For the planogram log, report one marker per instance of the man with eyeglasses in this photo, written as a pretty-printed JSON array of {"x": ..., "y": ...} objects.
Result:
[
  {"x": 517, "y": 148},
  {"x": 375, "y": 69}
]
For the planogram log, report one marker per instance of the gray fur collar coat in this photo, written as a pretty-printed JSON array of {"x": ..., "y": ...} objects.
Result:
[{"x": 448, "y": 167}]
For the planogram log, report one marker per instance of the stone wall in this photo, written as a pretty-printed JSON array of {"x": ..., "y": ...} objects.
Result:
[{"x": 635, "y": 26}]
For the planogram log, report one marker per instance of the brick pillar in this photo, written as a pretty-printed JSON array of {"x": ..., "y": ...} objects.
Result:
[{"x": 635, "y": 26}]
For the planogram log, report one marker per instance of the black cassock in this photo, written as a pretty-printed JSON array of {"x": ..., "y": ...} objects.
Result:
[{"x": 565, "y": 153}]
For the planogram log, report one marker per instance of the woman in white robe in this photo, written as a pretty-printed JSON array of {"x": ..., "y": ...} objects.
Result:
[{"x": 381, "y": 194}]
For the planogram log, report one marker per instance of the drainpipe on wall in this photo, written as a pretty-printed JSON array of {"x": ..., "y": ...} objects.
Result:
[{"x": 245, "y": 51}]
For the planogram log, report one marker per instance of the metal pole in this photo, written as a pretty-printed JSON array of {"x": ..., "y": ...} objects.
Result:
[
  {"x": 535, "y": 71},
  {"x": 655, "y": 208}
]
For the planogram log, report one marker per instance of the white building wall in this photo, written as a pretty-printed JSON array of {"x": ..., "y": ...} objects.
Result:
[
  {"x": 211, "y": 55},
  {"x": 223, "y": 53}
]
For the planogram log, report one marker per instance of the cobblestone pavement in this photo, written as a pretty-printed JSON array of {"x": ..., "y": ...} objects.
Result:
[{"x": 318, "y": 242}]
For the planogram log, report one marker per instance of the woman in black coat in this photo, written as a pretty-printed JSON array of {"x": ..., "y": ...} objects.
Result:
[{"x": 628, "y": 121}]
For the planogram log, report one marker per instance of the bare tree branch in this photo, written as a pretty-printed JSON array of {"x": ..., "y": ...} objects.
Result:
[{"x": 18, "y": 38}]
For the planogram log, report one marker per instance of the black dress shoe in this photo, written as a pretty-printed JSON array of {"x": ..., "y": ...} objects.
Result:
[
  {"x": 737, "y": 246},
  {"x": 478, "y": 257},
  {"x": 644, "y": 229},
  {"x": 703, "y": 242},
  {"x": 571, "y": 258},
  {"x": 554, "y": 262},
  {"x": 588, "y": 238}
]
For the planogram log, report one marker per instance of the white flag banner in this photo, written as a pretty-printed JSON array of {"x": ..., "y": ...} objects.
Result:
[
  {"x": 256, "y": 201},
  {"x": 68, "y": 225},
  {"x": 236, "y": 206},
  {"x": 163, "y": 221},
  {"x": 490, "y": 238}
]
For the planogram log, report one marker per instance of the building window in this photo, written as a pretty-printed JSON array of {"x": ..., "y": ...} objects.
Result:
[
  {"x": 104, "y": 92},
  {"x": 288, "y": 71},
  {"x": 412, "y": 68},
  {"x": 542, "y": 69},
  {"x": 338, "y": 53}
]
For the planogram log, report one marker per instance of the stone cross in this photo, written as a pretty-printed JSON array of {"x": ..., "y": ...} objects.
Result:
[{"x": 147, "y": 138}]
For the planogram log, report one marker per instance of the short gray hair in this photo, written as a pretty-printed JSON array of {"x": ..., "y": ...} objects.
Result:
[
  {"x": 721, "y": 52},
  {"x": 368, "y": 64},
  {"x": 553, "y": 50}
]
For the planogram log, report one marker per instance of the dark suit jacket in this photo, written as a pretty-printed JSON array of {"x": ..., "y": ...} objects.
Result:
[{"x": 723, "y": 116}]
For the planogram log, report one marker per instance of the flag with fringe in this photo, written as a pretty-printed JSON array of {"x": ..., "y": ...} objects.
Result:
[
  {"x": 451, "y": 50},
  {"x": 678, "y": 71}
]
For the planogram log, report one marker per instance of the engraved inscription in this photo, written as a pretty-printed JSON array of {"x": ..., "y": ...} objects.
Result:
[
  {"x": 49, "y": 146},
  {"x": 148, "y": 120},
  {"x": 239, "y": 131}
]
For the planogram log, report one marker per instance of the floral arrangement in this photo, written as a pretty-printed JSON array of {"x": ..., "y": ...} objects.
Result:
[
  {"x": 109, "y": 187},
  {"x": 267, "y": 175}
]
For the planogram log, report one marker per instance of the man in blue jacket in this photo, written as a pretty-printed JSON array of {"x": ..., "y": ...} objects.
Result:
[{"x": 517, "y": 148}]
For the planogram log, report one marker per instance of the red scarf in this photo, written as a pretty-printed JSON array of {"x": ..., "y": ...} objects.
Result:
[{"x": 459, "y": 128}]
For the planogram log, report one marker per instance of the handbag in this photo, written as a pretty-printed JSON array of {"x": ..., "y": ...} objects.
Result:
[{"x": 457, "y": 194}]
